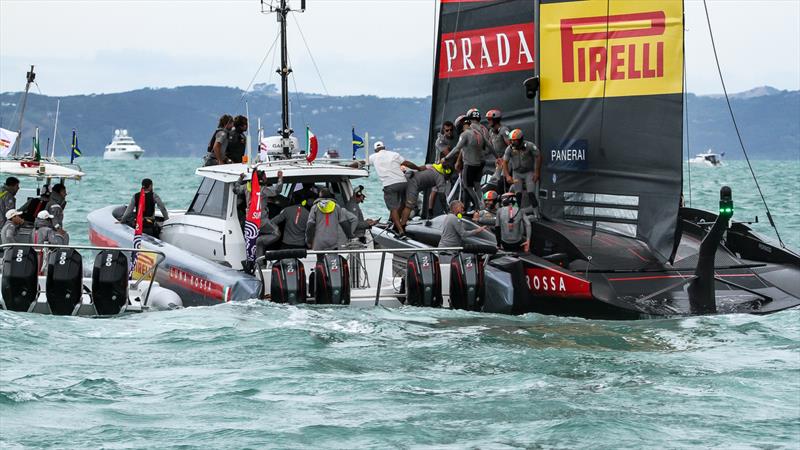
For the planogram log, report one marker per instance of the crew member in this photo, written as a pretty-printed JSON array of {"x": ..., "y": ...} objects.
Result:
[
  {"x": 8, "y": 197},
  {"x": 514, "y": 225},
  {"x": 431, "y": 177},
  {"x": 522, "y": 167},
  {"x": 219, "y": 141},
  {"x": 151, "y": 200},
  {"x": 294, "y": 219},
  {"x": 56, "y": 205},
  {"x": 453, "y": 231},
  {"x": 469, "y": 151},
  {"x": 327, "y": 222},
  {"x": 34, "y": 205},
  {"x": 354, "y": 206},
  {"x": 237, "y": 141},
  {"x": 498, "y": 141},
  {"x": 487, "y": 215},
  {"x": 446, "y": 140},
  {"x": 268, "y": 234},
  {"x": 13, "y": 220},
  {"x": 387, "y": 165},
  {"x": 44, "y": 233}
]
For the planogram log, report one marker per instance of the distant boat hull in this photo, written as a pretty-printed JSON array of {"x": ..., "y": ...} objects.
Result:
[{"x": 123, "y": 155}]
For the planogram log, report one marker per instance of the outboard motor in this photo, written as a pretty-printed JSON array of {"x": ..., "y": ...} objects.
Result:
[
  {"x": 288, "y": 282},
  {"x": 64, "y": 286},
  {"x": 332, "y": 280},
  {"x": 110, "y": 282},
  {"x": 20, "y": 284},
  {"x": 466, "y": 282},
  {"x": 423, "y": 280}
]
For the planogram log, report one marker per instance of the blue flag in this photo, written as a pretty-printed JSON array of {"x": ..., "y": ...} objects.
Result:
[
  {"x": 358, "y": 142},
  {"x": 76, "y": 152}
]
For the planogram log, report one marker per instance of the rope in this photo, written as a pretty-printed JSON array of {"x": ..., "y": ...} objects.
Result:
[
  {"x": 260, "y": 66},
  {"x": 736, "y": 126},
  {"x": 308, "y": 49}
]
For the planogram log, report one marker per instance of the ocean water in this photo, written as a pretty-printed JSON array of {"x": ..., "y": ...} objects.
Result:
[{"x": 258, "y": 375}]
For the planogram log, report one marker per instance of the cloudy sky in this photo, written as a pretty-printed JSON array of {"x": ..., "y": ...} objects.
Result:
[{"x": 382, "y": 47}]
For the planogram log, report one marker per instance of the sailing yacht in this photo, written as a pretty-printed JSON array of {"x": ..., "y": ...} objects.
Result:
[
  {"x": 708, "y": 159},
  {"x": 122, "y": 147}
]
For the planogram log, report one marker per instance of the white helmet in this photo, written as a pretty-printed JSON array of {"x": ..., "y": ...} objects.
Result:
[{"x": 379, "y": 145}]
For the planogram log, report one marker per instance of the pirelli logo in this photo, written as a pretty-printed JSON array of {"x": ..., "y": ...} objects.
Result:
[{"x": 624, "y": 48}]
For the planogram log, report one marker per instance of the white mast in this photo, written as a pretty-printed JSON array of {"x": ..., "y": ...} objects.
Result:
[{"x": 55, "y": 128}]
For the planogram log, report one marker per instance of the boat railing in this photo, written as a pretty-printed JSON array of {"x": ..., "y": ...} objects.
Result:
[
  {"x": 276, "y": 255},
  {"x": 151, "y": 271}
]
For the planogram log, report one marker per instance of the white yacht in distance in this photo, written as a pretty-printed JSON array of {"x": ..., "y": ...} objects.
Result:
[
  {"x": 122, "y": 147},
  {"x": 708, "y": 159}
]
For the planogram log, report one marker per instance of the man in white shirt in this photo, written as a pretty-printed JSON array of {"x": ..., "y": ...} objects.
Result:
[{"x": 387, "y": 165}]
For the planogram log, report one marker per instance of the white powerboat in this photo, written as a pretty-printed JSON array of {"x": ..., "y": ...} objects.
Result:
[
  {"x": 122, "y": 147},
  {"x": 708, "y": 159}
]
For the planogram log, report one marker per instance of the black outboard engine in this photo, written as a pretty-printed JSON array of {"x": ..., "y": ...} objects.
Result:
[
  {"x": 20, "y": 285},
  {"x": 110, "y": 282},
  {"x": 288, "y": 282},
  {"x": 64, "y": 285},
  {"x": 332, "y": 280},
  {"x": 423, "y": 280},
  {"x": 466, "y": 282}
]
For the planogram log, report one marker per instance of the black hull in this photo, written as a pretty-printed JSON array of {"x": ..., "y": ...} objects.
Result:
[{"x": 625, "y": 280}]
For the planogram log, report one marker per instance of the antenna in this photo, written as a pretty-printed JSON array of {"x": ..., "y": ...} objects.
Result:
[{"x": 30, "y": 77}]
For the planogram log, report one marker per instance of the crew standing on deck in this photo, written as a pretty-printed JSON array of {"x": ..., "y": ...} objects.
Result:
[
  {"x": 522, "y": 167},
  {"x": 354, "y": 206},
  {"x": 387, "y": 165},
  {"x": 294, "y": 219},
  {"x": 219, "y": 142},
  {"x": 498, "y": 142},
  {"x": 8, "y": 197},
  {"x": 151, "y": 200},
  {"x": 469, "y": 150},
  {"x": 237, "y": 141},
  {"x": 514, "y": 225},
  {"x": 14, "y": 220},
  {"x": 327, "y": 222},
  {"x": 446, "y": 140},
  {"x": 43, "y": 232},
  {"x": 56, "y": 205}
]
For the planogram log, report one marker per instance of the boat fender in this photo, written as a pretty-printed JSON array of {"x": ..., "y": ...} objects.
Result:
[
  {"x": 288, "y": 282},
  {"x": 423, "y": 280},
  {"x": 466, "y": 282},
  {"x": 64, "y": 285},
  {"x": 20, "y": 282},
  {"x": 110, "y": 282},
  {"x": 162, "y": 299}
]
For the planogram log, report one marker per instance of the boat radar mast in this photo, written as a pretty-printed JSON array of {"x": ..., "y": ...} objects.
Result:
[
  {"x": 282, "y": 11},
  {"x": 30, "y": 77}
]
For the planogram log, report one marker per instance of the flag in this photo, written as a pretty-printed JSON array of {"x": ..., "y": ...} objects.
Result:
[
  {"x": 252, "y": 222},
  {"x": 7, "y": 140},
  {"x": 76, "y": 152},
  {"x": 312, "y": 145},
  {"x": 137, "y": 232},
  {"x": 358, "y": 142}
]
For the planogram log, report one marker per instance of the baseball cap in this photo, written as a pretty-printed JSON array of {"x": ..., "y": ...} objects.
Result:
[
  {"x": 12, "y": 213},
  {"x": 380, "y": 145},
  {"x": 44, "y": 215}
]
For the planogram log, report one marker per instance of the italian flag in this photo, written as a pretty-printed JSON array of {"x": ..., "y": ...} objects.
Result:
[{"x": 312, "y": 145}]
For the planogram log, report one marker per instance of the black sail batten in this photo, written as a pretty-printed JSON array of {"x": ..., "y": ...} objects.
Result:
[
  {"x": 481, "y": 62},
  {"x": 611, "y": 116}
]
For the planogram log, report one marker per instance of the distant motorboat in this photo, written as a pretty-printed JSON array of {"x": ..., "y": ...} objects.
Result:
[
  {"x": 122, "y": 147},
  {"x": 708, "y": 159}
]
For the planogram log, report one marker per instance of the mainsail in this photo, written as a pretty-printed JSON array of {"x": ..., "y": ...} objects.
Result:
[
  {"x": 485, "y": 50},
  {"x": 610, "y": 115}
]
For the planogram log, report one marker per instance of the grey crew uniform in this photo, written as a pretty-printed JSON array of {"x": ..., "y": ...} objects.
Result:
[
  {"x": 294, "y": 220},
  {"x": 522, "y": 165},
  {"x": 221, "y": 137},
  {"x": 429, "y": 178},
  {"x": 45, "y": 234},
  {"x": 7, "y": 202},
  {"x": 8, "y": 234},
  {"x": 498, "y": 142},
  {"x": 471, "y": 145},
  {"x": 327, "y": 223},
  {"x": 444, "y": 143},
  {"x": 514, "y": 225},
  {"x": 56, "y": 209},
  {"x": 454, "y": 233}
]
